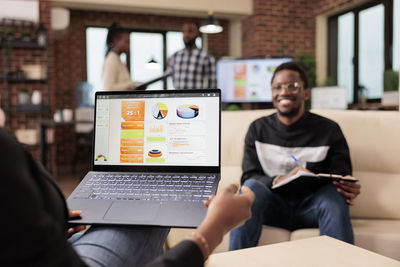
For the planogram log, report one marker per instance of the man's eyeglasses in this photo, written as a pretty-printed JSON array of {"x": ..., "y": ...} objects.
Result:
[{"x": 291, "y": 87}]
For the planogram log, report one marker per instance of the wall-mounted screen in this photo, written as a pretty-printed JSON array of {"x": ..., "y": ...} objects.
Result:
[{"x": 247, "y": 80}]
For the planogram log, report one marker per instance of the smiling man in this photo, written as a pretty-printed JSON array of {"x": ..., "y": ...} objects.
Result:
[{"x": 319, "y": 146}]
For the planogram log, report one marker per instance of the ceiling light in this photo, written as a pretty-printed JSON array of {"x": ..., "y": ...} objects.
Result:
[
  {"x": 152, "y": 64},
  {"x": 211, "y": 25}
]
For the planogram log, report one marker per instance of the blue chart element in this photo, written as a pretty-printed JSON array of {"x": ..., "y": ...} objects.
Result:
[{"x": 187, "y": 111}]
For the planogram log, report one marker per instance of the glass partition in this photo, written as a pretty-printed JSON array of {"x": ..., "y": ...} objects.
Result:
[
  {"x": 371, "y": 50},
  {"x": 345, "y": 67}
]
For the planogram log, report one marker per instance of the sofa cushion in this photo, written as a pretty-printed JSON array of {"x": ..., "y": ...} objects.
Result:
[
  {"x": 271, "y": 235},
  {"x": 378, "y": 198},
  {"x": 380, "y": 236}
]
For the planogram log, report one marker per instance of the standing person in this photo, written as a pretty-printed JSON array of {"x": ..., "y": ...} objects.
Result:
[
  {"x": 318, "y": 144},
  {"x": 191, "y": 67},
  {"x": 115, "y": 73}
]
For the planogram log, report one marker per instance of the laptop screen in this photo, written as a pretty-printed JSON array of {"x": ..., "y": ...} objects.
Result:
[{"x": 157, "y": 128}]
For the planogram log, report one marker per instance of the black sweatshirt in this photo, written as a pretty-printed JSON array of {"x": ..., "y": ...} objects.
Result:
[{"x": 317, "y": 143}]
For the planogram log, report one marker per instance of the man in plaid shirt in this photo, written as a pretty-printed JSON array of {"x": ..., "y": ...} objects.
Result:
[{"x": 192, "y": 68}]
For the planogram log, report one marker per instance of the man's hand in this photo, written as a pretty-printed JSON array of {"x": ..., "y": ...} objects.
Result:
[
  {"x": 348, "y": 189},
  {"x": 74, "y": 214},
  {"x": 291, "y": 173}
]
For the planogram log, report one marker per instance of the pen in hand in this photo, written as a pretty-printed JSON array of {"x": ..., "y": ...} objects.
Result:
[{"x": 295, "y": 160}]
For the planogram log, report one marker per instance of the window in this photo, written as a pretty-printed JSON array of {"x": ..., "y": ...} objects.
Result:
[
  {"x": 144, "y": 46},
  {"x": 345, "y": 68},
  {"x": 360, "y": 48},
  {"x": 95, "y": 53},
  {"x": 371, "y": 62},
  {"x": 396, "y": 35}
]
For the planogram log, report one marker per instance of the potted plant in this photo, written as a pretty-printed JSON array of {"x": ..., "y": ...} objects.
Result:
[
  {"x": 307, "y": 61},
  {"x": 26, "y": 35},
  {"x": 1, "y": 37},
  {"x": 23, "y": 96},
  {"x": 390, "y": 88},
  {"x": 10, "y": 34}
]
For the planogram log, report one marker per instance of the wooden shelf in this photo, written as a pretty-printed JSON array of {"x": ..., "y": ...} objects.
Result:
[
  {"x": 31, "y": 108},
  {"x": 23, "y": 45},
  {"x": 25, "y": 80},
  {"x": 373, "y": 106}
]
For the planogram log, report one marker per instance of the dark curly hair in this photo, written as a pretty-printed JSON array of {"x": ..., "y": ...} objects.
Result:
[{"x": 295, "y": 67}]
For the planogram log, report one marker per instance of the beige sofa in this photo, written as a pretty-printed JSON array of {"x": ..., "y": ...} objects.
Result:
[{"x": 374, "y": 141}]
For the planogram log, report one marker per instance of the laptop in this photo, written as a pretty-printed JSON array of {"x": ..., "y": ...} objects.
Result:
[{"x": 156, "y": 157}]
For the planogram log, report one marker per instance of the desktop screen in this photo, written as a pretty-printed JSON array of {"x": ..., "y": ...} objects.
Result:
[
  {"x": 173, "y": 129},
  {"x": 247, "y": 80}
]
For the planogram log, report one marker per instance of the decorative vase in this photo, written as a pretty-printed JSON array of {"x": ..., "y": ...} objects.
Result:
[
  {"x": 36, "y": 97},
  {"x": 23, "y": 97}
]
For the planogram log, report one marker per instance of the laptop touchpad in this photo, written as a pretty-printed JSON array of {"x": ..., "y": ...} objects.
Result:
[{"x": 132, "y": 211}]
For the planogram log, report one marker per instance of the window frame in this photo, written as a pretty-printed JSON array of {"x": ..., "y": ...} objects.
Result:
[{"x": 333, "y": 43}]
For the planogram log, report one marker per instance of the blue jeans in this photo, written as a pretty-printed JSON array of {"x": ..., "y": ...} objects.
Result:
[
  {"x": 119, "y": 245},
  {"x": 325, "y": 208}
]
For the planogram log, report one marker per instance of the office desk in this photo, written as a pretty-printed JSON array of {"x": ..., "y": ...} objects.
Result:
[
  {"x": 316, "y": 251},
  {"x": 44, "y": 125}
]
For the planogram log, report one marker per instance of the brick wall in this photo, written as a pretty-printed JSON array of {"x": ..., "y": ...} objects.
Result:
[
  {"x": 323, "y": 6},
  {"x": 283, "y": 27},
  {"x": 278, "y": 28}
]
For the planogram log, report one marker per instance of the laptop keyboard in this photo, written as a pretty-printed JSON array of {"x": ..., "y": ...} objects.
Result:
[{"x": 168, "y": 187}]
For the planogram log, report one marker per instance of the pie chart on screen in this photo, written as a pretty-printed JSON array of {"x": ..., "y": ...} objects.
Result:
[
  {"x": 187, "y": 111},
  {"x": 160, "y": 111}
]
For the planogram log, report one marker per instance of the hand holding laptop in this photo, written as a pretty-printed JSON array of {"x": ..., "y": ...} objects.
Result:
[
  {"x": 225, "y": 211},
  {"x": 74, "y": 228}
]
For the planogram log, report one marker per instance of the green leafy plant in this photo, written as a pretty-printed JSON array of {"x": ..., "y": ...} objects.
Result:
[
  {"x": 307, "y": 60},
  {"x": 390, "y": 80},
  {"x": 9, "y": 33},
  {"x": 329, "y": 81},
  {"x": 26, "y": 34},
  {"x": 233, "y": 107}
]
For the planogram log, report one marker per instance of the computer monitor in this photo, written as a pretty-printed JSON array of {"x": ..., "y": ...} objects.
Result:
[{"x": 247, "y": 80}]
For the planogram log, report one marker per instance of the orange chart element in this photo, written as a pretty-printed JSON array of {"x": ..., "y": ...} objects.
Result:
[
  {"x": 132, "y": 125},
  {"x": 132, "y": 110},
  {"x": 131, "y": 150},
  {"x": 132, "y": 142},
  {"x": 156, "y": 129},
  {"x": 131, "y": 158},
  {"x": 154, "y": 153}
]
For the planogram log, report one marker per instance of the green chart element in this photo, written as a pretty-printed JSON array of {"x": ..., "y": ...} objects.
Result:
[
  {"x": 155, "y": 160},
  {"x": 132, "y": 133},
  {"x": 156, "y": 139},
  {"x": 240, "y": 82}
]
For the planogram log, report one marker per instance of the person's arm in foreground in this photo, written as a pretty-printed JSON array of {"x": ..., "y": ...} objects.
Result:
[
  {"x": 226, "y": 211},
  {"x": 32, "y": 233}
]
